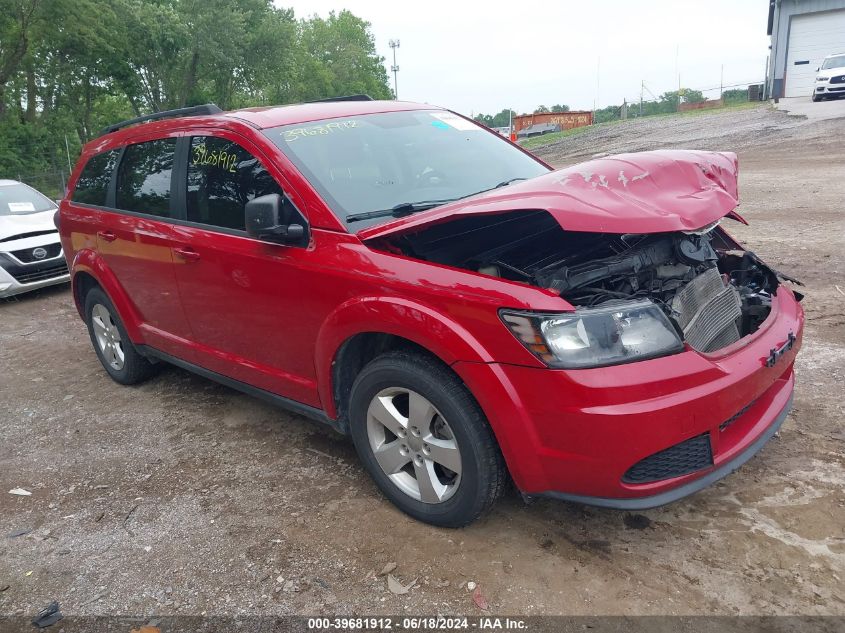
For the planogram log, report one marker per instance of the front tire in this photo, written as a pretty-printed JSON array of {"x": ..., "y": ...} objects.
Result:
[
  {"x": 111, "y": 343},
  {"x": 424, "y": 440}
]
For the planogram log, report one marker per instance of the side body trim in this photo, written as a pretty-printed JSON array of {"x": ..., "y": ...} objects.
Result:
[{"x": 280, "y": 401}]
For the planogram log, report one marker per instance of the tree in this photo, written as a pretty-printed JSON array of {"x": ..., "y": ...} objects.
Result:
[
  {"x": 692, "y": 96},
  {"x": 738, "y": 95},
  {"x": 338, "y": 58},
  {"x": 560, "y": 108},
  {"x": 541, "y": 109},
  {"x": 501, "y": 119},
  {"x": 124, "y": 58}
]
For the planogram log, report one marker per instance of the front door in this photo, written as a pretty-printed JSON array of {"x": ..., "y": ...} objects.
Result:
[{"x": 243, "y": 297}]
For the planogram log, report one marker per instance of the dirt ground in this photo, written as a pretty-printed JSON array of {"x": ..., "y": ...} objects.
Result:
[{"x": 184, "y": 497}]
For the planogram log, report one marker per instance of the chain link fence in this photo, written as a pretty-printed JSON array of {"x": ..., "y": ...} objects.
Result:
[{"x": 51, "y": 183}]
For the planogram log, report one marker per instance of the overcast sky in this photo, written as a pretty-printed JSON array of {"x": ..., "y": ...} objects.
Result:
[{"x": 483, "y": 57}]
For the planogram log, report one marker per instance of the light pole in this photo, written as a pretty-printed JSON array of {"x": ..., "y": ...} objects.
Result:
[{"x": 394, "y": 44}]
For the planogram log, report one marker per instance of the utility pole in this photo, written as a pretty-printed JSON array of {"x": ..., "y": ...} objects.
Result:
[
  {"x": 722, "y": 84},
  {"x": 642, "y": 88},
  {"x": 598, "y": 84},
  {"x": 394, "y": 44},
  {"x": 67, "y": 149},
  {"x": 678, "y": 73}
]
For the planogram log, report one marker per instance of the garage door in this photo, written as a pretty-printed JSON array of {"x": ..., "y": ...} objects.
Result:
[{"x": 811, "y": 38}]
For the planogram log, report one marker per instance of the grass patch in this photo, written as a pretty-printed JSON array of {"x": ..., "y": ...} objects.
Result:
[{"x": 548, "y": 139}]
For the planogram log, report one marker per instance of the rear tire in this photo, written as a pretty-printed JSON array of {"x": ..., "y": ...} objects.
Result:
[
  {"x": 438, "y": 459},
  {"x": 111, "y": 343}
]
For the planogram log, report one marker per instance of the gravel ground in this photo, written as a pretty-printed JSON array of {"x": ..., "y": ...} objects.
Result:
[{"x": 184, "y": 497}]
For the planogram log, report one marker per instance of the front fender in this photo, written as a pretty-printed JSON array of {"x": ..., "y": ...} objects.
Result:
[
  {"x": 451, "y": 343},
  {"x": 405, "y": 318},
  {"x": 88, "y": 261}
]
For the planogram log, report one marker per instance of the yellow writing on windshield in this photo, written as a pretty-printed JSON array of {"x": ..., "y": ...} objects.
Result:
[
  {"x": 316, "y": 130},
  {"x": 220, "y": 159}
]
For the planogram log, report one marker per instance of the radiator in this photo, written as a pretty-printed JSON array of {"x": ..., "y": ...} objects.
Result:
[{"x": 707, "y": 311}]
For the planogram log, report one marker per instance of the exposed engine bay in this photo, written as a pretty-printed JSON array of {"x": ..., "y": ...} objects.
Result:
[{"x": 712, "y": 290}]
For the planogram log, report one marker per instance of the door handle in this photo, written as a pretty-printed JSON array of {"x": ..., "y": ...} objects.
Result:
[
  {"x": 108, "y": 236},
  {"x": 187, "y": 254}
]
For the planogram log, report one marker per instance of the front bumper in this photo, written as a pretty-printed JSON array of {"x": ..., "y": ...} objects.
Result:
[
  {"x": 829, "y": 88},
  {"x": 18, "y": 276},
  {"x": 575, "y": 435}
]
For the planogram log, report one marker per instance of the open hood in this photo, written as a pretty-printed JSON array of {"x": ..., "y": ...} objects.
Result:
[{"x": 646, "y": 192}]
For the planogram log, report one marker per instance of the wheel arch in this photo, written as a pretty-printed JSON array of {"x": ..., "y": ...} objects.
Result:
[
  {"x": 90, "y": 271},
  {"x": 363, "y": 328}
]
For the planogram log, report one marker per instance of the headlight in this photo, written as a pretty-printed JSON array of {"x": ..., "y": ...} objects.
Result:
[
  {"x": 615, "y": 333},
  {"x": 822, "y": 78}
]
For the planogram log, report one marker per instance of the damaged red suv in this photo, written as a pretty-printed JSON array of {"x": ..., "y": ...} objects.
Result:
[{"x": 463, "y": 312}]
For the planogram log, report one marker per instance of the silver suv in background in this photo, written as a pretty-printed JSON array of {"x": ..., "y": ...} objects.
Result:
[{"x": 31, "y": 255}]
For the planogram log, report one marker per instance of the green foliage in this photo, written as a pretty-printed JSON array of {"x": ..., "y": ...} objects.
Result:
[
  {"x": 123, "y": 58},
  {"x": 502, "y": 119},
  {"x": 541, "y": 109},
  {"x": 693, "y": 96},
  {"x": 739, "y": 95},
  {"x": 560, "y": 108}
]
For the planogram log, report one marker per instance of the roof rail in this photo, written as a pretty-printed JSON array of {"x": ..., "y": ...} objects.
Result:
[
  {"x": 345, "y": 98},
  {"x": 208, "y": 108}
]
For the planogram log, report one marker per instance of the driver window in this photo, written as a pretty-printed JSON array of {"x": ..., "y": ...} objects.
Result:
[{"x": 222, "y": 178}]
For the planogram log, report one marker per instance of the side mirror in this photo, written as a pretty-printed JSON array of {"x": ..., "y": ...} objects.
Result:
[{"x": 273, "y": 218}]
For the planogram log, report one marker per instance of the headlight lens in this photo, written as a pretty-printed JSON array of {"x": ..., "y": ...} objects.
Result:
[
  {"x": 616, "y": 332},
  {"x": 822, "y": 78}
]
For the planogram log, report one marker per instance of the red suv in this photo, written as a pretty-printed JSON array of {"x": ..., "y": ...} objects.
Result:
[{"x": 463, "y": 312}]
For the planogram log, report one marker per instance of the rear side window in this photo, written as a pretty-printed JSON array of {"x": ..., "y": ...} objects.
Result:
[
  {"x": 222, "y": 178},
  {"x": 93, "y": 184},
  {"x": 143, "y": 178}
]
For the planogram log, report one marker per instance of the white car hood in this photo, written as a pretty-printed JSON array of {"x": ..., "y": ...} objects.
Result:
[
  {"x": 831, "y": 72},
  {"x": 26, "y": 223}
]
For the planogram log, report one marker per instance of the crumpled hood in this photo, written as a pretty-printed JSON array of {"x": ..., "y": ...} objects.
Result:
[
  {"x": 26, "y": 223},
  {"x": 645, "y": 192}
]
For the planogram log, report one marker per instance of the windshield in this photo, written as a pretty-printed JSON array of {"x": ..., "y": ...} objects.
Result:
[
  {"x": 376, "y": 162},
  {"x": 20, "y": 200},
  {"x": 834, "y": 62}
]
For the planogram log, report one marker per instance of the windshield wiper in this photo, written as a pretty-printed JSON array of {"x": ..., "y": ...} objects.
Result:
[
  {"x": 505, "y": 183},
  {"x": 399, "y": 210},
  {"x": 407, "y": 208}
]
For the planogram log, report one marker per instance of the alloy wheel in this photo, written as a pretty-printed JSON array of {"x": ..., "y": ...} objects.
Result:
[
  {"x": 414, "y": 445},
  {"x": 107, "y": 336}
]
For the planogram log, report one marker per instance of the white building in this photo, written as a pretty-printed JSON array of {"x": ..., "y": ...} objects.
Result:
[{"x": 803, "y": 32}]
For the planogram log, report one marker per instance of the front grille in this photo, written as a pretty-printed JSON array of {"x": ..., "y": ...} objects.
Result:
[
  {"x": 839, "y": 79},
  {"x": 707, "y": 311},
  {"x": 28, "y": 255},
  {"x": 681, "y": 459},
  {"x": 55, "y": 269}
]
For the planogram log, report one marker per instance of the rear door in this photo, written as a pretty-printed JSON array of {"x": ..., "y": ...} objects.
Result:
[
  {"x": 245, "y": 299},
  {"x": 135, "y": 238}
]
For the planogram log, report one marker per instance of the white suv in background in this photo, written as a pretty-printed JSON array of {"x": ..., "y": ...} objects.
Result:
[
  {"x": 830, "y": 80},
  {"x": 30, "y": 252}
]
